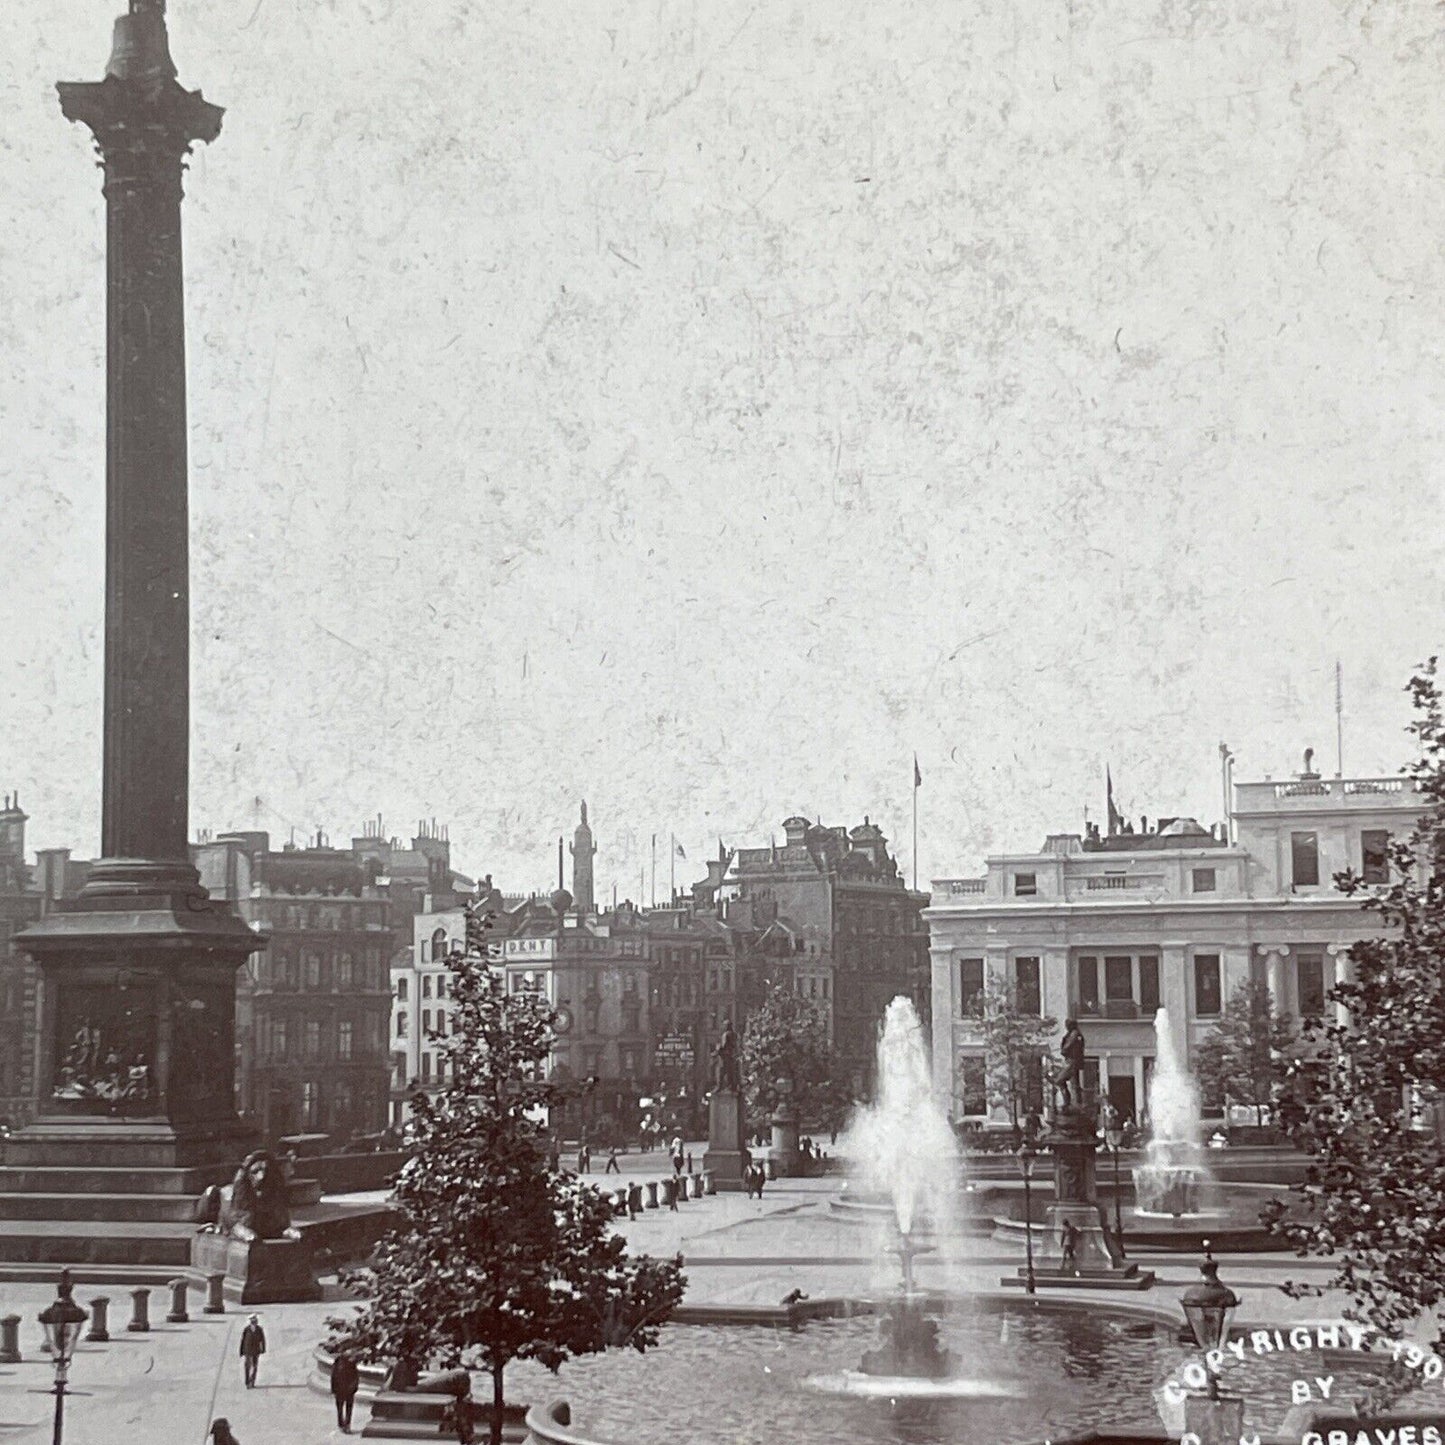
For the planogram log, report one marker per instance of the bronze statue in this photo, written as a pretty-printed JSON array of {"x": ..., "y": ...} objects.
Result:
[
  {"x": 1069, "y": 1247},
  {"x": 725, "y": 1060},
  {"x": 1071, "y": 1050},
  {"x": 254, "y": 1206}
]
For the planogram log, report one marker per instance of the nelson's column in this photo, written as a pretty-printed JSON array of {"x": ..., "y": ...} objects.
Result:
[{"x": 134, "y": 1064}]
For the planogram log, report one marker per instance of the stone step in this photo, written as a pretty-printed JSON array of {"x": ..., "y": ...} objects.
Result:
[
  {"x": 87, "y": 1242},
  {"x": 83, "y": 1180},
  {"x": 59, "y": 1208}
]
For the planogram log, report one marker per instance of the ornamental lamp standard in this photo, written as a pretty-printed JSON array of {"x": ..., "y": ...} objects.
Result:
[
  {"x": 62, "y": 1321},
  {"x": 1114, "y": 1139},
  {"x": 1209, "y": 1306},
  {"x": 1026, "y": 1157}
]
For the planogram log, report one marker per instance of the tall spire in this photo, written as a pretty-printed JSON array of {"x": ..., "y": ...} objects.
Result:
[{"x": 583, "y": 851}]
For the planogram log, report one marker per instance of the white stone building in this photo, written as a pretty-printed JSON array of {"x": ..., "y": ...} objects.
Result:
[{"x": 1107, "y": 929}]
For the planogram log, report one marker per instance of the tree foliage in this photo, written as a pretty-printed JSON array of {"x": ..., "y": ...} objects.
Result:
[
  {"x": 786, "y": 1040},
  {"x": 498, "y": 1257},
  {"x": 1246, "y": 1056},
  {"x": 1015, "y": 1044},
  {"x": 1374, "y": 1198}
]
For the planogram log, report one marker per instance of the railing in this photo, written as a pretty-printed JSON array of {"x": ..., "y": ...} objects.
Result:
[
  {"x": 960, "y": 887},
  {"x": 1119, "y": 1009},
  {"x": 1108, "y": 882},
  {"x": 1338, "y": 787}
]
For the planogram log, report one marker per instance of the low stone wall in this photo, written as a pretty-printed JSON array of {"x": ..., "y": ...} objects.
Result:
[{"x": 353, "y": 1173}]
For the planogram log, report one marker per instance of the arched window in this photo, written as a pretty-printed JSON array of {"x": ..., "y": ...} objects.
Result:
[
  {"x": 401, "y": 1023},
  {"x": 438, "y": 945}
]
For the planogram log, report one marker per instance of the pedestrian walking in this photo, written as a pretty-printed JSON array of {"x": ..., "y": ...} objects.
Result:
[
  {"x": 345, "y": 1381},
  {"x": 253, "y": 1346},
  {"x": 463, "y": 1418},
  {"x": 221, "y": 1432},
  {"x": 613, "y": 1167}
]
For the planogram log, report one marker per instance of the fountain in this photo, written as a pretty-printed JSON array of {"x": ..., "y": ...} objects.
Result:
[
  {"x": 1169, "y": 1182},
  {"x": 906, "y": 1153}
]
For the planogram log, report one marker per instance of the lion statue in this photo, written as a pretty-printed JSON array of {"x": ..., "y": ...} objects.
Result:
[{"x": 252, "y": 1206}]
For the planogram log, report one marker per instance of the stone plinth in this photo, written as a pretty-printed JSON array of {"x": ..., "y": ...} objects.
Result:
[
  {"x": 727, "y": 1154},
  {"x": 261, "y": 1272},
  {"x": 784, "y": 1153}
]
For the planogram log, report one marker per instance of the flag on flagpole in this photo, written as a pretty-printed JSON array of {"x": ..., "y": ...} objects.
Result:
[{"x": 917, "y": 776}]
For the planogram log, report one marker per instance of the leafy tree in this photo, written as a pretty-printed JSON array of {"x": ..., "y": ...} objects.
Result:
[
  {"x": 1246, "y": 1056},
  {"x": 1015, "y": 1043},
  {"x": 499, "y": 1257},
  {"x": 1374, "y": 1197},
  {"x": 786, "y": 1039}
]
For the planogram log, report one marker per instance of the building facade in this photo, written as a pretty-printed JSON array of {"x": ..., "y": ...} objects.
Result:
[
  {"x": 27, "y": 892},
  {"x": 313, "y": 1005},
  {"x": 1174, "y": 916}
]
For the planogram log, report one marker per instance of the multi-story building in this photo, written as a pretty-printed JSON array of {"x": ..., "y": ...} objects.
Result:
[
  {"x": 1109, "y": 929},
  {"x": 826, "y": 913},
  {"x": 313, "y": 1005},
  {"x": 26, "y": 893}
]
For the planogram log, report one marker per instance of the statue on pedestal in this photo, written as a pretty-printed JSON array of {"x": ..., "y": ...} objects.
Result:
[
  {"x": 1071, "y": 1050},
  {"x": 725, "y": 1075}
]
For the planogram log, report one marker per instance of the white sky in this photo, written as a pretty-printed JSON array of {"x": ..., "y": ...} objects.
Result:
[{"x": 699, "y": 408}]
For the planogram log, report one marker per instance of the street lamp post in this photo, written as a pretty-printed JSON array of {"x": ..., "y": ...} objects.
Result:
[
  {"x": 1026, "y": 1158},
  {"x": 1209, "y": 1306},
  {"x": 62, "y": 1321},
  {"x": 1114, "y": 1138}
]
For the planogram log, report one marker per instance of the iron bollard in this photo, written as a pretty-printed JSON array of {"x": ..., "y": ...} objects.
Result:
[
  {"x": 709, "y": 1184},
  {"x": 177, "y": 1314},
  {"x": 215, "y": 1294},
  {"x": 696, "y": 1186},
  {"x": 98, "y": 1331},
  {"x": 652, "y": 1194},
  {"x": 10, "y": 1340},
  {"x": 140, "y": 1319}
]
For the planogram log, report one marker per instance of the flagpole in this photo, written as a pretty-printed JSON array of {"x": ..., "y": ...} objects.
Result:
[
  {"x": 915, "y": 822},
  {"x": 671, "y": 869},
  {"x": 654, "y": 870}
]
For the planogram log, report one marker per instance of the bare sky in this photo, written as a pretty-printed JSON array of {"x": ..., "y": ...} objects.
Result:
[{"x": 699, "y": 408}]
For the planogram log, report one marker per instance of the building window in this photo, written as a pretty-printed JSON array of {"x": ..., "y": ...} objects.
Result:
[
  {"x": 970, "y": 985},
  {"x": 343, "y": 1039},
  {"x": 426, "y": 1022},
  {"x": 1206, "y": 985},
  {"x": 1148, "y": 986},
  {"x": 313, "y": 970},
  {"x": 401, "y": 988},
  {"x": 441, "y": 985},
  {"x": 345, "y": 973},
  {"x": 425, "y": 1066},
  {"x": 310, "y": 1104},
  {"x": 401, "y": 1023},
  {"x": 1028, "y": 998},
  {"x": 1304, "y": 852},
  {"x": 280, "y": 1043},
  {"x": 1375, "y": 851},
  {"x": 1310, "y": 985},
  {"x": 1203, "y": 880},
  {"x": 313, "y": 1038},
  {"x": 1026, "y": 885},
  {"x": 1088, "y": 973},
  {"x": 972, "y": 1086},
  {"x": 438, "y": 945},
  {"x": 1033, "y": 1083},
  {"x": 1118, "y": 985},
  {"x": 426, "y": 985}
]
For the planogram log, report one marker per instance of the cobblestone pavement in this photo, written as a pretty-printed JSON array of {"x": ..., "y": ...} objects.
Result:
[{"x": 168, "y": 1385}]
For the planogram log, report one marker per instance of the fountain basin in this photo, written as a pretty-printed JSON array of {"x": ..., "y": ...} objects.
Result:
[{"x": 1036, "y": 1371}]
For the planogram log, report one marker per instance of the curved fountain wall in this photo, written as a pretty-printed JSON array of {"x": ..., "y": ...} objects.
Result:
[{"x": 1171, "y": 1179}]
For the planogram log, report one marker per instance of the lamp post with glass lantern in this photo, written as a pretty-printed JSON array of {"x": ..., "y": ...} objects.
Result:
[
  {"x": 62, "y": 1321},
  {"x": 1209, "y": 1306},
  {"x": 1026, "y": 1157},
  {"x": 1114, "y": 1138}
]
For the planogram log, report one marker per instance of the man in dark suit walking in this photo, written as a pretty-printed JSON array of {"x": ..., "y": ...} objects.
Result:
[
  {"x": 253, "y": 1346},
  {"x": 345, "y": 1381}
]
